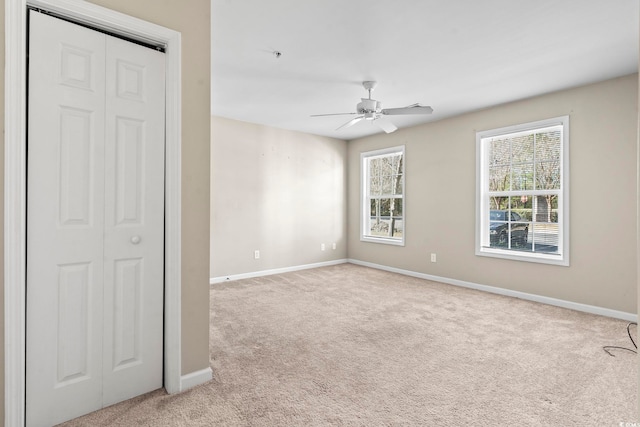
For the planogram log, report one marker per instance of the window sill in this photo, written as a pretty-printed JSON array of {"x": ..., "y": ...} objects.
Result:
[
  {"x": 383, "y": 240},
  {"x": 541, "y": 258}
]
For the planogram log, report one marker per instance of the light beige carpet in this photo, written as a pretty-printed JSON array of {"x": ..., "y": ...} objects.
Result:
[{"x": 352, "y": 346}]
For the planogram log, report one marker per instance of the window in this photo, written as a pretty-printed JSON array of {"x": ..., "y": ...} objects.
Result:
[
  {"x": 522, "y": 192},
  {"x": 383, "y": 196}
]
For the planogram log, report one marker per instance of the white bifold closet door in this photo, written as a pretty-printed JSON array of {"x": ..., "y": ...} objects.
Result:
[{"x": 95, "y": 221}]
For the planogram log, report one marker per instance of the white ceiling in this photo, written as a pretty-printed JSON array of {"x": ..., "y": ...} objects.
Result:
[{"x": 455, "y": 55}]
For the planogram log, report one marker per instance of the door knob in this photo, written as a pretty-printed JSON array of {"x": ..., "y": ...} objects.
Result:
[{"x": 135, "y": 240}]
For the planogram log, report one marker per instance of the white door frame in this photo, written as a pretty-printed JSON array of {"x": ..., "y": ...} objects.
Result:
[{"x": 15, "y": 184}]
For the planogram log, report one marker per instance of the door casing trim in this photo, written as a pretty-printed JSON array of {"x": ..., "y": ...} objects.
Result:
[{"x": 15, "y": 185}]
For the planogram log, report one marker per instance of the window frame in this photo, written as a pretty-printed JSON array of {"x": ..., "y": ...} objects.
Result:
[
  {"x": 365, "y": 200},
  {"x": 482, "y": 208}
]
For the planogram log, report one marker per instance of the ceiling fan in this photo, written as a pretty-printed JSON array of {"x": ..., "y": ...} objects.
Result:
[{"x": 370, "y": 109}]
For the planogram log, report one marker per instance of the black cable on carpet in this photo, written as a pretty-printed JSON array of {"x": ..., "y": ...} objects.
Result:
[{"x": 608, "y": 347}]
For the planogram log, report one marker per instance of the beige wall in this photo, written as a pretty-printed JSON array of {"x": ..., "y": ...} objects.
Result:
[
  {"x": 192, "y": 19},
  {"x": 440, "y": 198},
  {"x": 277, "y": 191}
]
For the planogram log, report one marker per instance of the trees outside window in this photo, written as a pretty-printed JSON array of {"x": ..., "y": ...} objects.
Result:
[
  {"x": 522, "y": 188},
  {"x": 382, "y": 195}
]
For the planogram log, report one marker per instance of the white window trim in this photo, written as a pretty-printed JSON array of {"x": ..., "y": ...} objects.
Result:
[
  {"x": 563, "y": 211},
  {"x": 15, "y": 185},
  {"x": 364, "y": 205}
]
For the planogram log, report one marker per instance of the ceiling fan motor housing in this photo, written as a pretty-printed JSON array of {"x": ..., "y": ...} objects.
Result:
[{"x": 369, "y": 107}]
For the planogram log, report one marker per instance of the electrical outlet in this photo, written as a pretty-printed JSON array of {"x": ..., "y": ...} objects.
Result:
[
  {"x": 256, "y": 254},
  {"x": 433, "y": 257},
  {"x": 322, "y": 246},
  {"x": 334, "y": 246}
]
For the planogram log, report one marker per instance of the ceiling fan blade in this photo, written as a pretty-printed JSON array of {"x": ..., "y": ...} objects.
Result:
[
  {"x": 385, "y": 125},
  {"x": 351, "y": 122},
  {"x": 332, "y": 114},
  {"x": 411, "y": 109}
]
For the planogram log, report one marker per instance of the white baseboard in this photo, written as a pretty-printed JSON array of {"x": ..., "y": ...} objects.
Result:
[
  {"x": 195, "y": 378},
  {"x": 214, "y": 280},
  {"x": 630, "y": 317}
]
